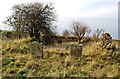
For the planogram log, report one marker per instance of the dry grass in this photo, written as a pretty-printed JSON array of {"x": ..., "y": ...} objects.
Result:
[{"x": 17, "y": 60}]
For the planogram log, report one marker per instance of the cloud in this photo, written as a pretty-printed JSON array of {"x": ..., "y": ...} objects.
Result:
[
  {"x": 68, "y": 10},
  {"x": 64, "y": 8},
  {"x": 84, "y": 9},
  {"x": 104, "y": 11}
]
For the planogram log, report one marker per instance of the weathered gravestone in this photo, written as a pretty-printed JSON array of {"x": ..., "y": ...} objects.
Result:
[
  {"x": 76, "y": 50},
  {"x": 9, "y": 34},
  {"x": 37, "y": 49}
]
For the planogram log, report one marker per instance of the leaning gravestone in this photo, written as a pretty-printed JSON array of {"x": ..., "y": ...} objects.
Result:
[
  {"x": 76, "y": 50},
  {"x": 37, "y": 49},
  {"x": 107, "y": 42}
]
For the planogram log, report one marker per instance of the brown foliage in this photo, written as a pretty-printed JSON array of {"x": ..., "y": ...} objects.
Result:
[
  {"x": 65, "y": 33},
  {"x": 80, "y": 29}
]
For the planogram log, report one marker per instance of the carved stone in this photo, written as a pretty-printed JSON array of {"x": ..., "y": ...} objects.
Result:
[
  {"x": 37, "y": 49},
  {"x": 76, "y": 50}
]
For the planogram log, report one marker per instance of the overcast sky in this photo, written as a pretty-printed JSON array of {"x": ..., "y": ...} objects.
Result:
[{"x": 95, "y": 13}]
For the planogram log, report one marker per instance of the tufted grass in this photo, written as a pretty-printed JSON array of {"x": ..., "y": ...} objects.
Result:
[{"x": 17, "y": 60}]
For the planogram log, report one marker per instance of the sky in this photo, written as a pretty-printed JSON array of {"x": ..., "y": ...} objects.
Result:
[{"x": 101, "y": 14}]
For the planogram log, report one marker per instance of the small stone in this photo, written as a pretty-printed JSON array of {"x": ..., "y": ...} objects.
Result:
[{"x": 76, "y": 50}]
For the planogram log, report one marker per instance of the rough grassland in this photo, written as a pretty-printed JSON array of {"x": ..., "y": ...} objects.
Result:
[{"x": 17, "y": 60}]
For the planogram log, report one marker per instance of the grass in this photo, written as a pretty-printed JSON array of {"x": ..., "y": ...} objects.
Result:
[{"x": 18, "y": 60}]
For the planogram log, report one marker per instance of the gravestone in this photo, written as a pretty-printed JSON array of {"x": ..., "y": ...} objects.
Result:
[
  {"x": 37, "y": 49},
  {"x": 9, "y": 34},
  {"x": 59, "y": 41},
  {"x": 76, "y": 50},
  {"x": 107, "y": 42}
]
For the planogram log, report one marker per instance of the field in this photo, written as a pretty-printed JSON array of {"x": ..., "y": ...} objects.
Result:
[{"x": 17, "y": 60}]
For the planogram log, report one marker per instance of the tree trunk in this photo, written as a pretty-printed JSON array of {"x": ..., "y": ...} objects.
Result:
[{"x": 79, "y": 40}]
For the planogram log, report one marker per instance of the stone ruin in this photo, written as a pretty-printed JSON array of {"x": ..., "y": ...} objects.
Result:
[
  {"x": 107, "y": 42},
  {"x": 76, "y": 50},
  {"x": 37, "y": 49}
]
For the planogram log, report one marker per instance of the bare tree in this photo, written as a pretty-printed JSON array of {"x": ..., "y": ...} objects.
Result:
[
  {"x": 87, "y": 33},
  {"x": 97, "y": 34},
  {"x": 80, "y": 29},
  {"x": 65, "y": 33}
]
